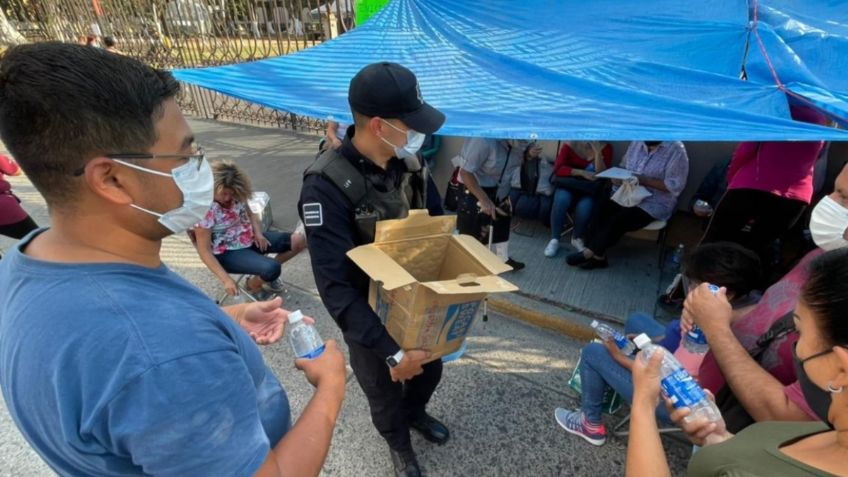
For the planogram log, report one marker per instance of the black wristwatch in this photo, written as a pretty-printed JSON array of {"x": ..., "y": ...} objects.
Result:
[{"x": 394, "y": 359}]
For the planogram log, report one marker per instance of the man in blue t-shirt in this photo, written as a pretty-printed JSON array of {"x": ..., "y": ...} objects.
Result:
[{"x": 110, "y": 363}]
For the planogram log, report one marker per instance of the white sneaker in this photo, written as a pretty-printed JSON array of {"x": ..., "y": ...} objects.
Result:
[
  {"x": 578, "y": 244},
  {"x": 552, "y": 248}
]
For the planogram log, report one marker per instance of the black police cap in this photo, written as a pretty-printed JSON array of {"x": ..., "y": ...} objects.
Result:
[{"x": 391, "y": 91}]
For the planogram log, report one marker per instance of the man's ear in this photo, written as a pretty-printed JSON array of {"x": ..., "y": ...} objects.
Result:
[
  {"x": 108, "y": 180},
  {"x": 375, "y": 125}
]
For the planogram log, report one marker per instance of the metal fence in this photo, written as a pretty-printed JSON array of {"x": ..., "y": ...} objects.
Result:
[{"x": 190, "y": 33}]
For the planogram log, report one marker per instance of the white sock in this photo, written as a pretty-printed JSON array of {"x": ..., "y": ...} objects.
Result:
[{"x": 502, "y": 250}]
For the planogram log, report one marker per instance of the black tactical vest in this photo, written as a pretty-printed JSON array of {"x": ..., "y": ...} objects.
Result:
[{"x": 370, "y": 204}]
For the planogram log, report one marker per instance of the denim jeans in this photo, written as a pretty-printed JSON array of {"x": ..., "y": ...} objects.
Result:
[
  {"x": 531, "y": 206},
  {"x": 251, "y": 261},
  {"x": 667, "y": 336},
  {"x": 583, "y": 207},
  {"x": 598, "y": 369}
]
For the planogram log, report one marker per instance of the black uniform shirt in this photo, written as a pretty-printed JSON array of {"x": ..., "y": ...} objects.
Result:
[{"x": 331, "y": 232}]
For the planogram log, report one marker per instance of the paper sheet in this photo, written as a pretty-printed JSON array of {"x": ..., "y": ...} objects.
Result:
[{"x": 614, "y": 173}]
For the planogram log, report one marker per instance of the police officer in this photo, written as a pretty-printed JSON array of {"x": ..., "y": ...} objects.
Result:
[{"x": 371, "y": 177}]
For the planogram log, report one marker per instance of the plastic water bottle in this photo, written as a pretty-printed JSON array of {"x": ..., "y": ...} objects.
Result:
[
  {"x": 238, "y": 299},
  {"x": 677, "y": 256},
  {"x": 304, "y": 338},
  {"x": 608, "y": 333},
  {"x": 678, "y": 385},
  {"x": 696, "y": 341}
]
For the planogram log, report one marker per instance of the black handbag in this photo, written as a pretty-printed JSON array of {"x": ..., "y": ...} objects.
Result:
[
  {"x": 452, "y": 192},
  {"x": 530, "y": 175},
  {"x": 576, "y": 184}
]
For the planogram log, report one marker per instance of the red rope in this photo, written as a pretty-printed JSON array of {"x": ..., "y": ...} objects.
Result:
[{"x": 773, "y": 70}]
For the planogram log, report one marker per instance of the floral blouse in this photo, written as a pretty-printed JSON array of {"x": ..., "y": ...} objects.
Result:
[{"x": 231, "y": 227}]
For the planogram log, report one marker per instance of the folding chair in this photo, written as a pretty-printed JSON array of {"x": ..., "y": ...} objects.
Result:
[
  {"x": 660, "y": 227},
  {"x": 569, "y": 225},
  {"x": 622, "y": 429}
]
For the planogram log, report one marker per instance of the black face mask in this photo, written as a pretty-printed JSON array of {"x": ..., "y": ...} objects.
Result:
[{"x": 817, "y": 398}]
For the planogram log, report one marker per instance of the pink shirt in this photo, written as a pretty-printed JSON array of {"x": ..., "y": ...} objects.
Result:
[
  {"x": 10, "y": 210},
  {"x": 690, "y": 361},
  {"x": 784, "y": 169},
  {"x": 777, "y": 301}
]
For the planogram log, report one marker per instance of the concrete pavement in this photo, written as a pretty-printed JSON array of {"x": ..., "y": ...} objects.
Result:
[{"x": 498, "y": 400}]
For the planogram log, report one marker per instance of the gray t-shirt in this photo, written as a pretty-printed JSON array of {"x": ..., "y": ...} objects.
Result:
[{"x": 492, "y": 161}]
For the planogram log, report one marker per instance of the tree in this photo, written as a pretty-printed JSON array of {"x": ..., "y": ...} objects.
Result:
[{"x": 8, "y": 34}]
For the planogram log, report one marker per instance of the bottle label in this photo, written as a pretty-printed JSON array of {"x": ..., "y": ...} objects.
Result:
[
  {"x": 696, "y": 336},
  {"x": 620, "y": 340},
  {"x": 314, "y": 353},
  {"x": 681, "y": 389}
]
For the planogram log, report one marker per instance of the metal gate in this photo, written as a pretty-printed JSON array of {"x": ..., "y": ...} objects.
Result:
[{"x": 191, "y": 33}]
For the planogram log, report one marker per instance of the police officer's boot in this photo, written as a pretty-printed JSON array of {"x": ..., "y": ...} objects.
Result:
[{"x": 405, "y": 463}]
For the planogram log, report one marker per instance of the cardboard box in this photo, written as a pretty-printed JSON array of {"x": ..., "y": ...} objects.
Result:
[{"x": 427, "y": 283}]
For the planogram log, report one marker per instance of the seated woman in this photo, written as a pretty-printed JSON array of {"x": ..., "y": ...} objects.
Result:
[
  {"x": 772, "y": 447},
  {"x": 574, "y": 178},
  {"x": 531, "y": 190},
  {"x": 662, "y": 168},
  {"x": 725, "y": 264},
  {"x": 230, "y": 238}
]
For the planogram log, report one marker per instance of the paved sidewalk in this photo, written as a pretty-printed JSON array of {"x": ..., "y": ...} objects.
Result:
[{"x": 498, "y": 400}]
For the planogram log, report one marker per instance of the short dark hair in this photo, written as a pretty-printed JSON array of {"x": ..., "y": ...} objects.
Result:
[
  {"x": 825, "y": 293},
  {"x": 360, "y": 121},
  {"x": 109, "y": 41},
  {"x": 62, "y": 104},
  {"x": 725, "y": 264}
]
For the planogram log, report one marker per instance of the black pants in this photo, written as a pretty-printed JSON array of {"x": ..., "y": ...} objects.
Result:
[
  {"x": 753, "y": 219},
  {"x": 434, "y": 200},
  {"x": 393, "y": 405},
  {"x": 612, "y": 222},
  {"x": 18, "y": 230}
]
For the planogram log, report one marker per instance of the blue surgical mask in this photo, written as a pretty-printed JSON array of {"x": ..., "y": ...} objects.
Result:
[{"x": 414, "y": 140}]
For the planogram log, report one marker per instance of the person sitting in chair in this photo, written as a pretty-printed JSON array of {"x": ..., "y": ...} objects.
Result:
[
  {"x": 661, "y": 168},
  {"x": 724, "y": 264},
  {"x": 531, "y": 192},
  {"x": 230, "y": 238},
  {"x": 576, "y": 188}
]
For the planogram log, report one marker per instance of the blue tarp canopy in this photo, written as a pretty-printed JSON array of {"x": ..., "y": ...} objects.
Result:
[{"x": 576, "y": 69}]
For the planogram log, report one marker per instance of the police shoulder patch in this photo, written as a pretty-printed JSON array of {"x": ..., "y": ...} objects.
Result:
[{"x": 313, "y": 215}]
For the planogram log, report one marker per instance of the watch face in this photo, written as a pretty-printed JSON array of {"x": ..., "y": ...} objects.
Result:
[{"x": 391, "y": 361}]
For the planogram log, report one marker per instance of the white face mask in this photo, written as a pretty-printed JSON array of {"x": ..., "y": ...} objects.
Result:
[
  {"x": 828, "y": 224},
  {"x": 198, "y": 188},
  {"x": 414, "y": 140}
]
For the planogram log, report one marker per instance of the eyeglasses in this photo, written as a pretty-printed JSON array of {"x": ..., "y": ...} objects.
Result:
[{"x": 199, "y": 154}]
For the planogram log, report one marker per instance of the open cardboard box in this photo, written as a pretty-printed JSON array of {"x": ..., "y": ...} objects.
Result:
[{"x": 427, "y": 284}]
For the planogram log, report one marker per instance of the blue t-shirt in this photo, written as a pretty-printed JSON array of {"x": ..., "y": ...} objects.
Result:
[{"x": 114, "y": 369}]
